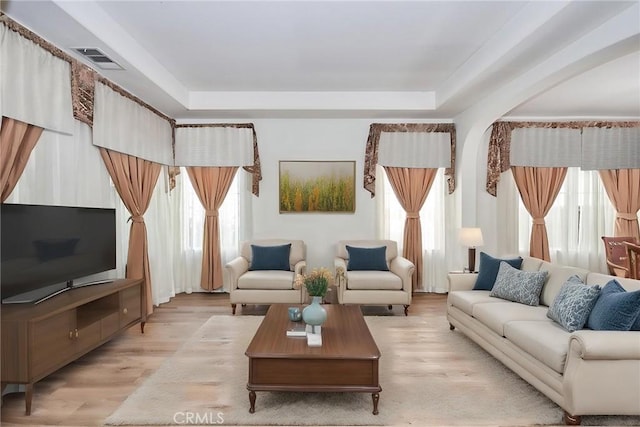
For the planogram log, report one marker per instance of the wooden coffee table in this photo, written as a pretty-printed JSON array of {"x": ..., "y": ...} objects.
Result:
[{"x": 346, "y": 362}]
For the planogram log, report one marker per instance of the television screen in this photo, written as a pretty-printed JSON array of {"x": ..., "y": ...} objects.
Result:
[{"x": 44, "y": 248}]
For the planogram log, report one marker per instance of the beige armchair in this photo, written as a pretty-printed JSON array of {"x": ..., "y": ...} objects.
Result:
[
  {"x": 364, "y": 283},
  {"x": 253, "y": 282}
]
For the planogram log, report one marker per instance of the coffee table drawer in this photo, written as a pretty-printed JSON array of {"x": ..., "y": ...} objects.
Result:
[{"x": 313, "y": 372}]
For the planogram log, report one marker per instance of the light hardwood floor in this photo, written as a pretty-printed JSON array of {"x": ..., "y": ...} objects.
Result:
[{"x": 87, "y": 391}]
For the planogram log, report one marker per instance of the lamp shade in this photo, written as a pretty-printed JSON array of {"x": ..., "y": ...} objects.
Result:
[{"x": 470, "y": 237}]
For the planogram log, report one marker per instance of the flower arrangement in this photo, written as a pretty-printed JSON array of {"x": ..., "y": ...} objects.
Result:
[{"x": 317, "y": 282}]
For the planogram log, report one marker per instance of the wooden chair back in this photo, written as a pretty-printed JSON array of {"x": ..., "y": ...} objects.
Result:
[
  {"x": 633, "y": 255},
  {"x": 616, "y": 252}
]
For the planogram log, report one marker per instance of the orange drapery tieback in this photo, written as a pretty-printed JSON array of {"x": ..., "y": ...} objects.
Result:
[
  {"x": 538, "y": 221},
  {"x": 211, "y": 213},
  {"x": 413, "y": 215}
]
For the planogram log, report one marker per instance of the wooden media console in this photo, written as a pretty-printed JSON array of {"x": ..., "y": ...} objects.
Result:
[{"x": 38, "y": 339}]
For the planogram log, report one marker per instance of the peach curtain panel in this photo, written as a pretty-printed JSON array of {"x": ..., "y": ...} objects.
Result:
[
  {"x": 17, "y": 140},
  {"x": 135, "y": 179},
  {"x": 411, "y": 186},
  {"x": 623, "y": 189},
  {"x": 211, "y": 185},
  {"x": 538, "y": 189}
]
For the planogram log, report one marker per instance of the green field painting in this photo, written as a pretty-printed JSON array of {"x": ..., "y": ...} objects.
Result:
[{"x": 312, "y": 186}]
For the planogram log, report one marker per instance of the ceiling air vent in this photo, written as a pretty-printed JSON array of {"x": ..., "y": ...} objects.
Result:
[{"x": 98, "y": 57}]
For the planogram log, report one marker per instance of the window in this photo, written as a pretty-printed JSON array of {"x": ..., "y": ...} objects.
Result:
[
  {"x": 580, "y": 215},
  {"x": 433, "y": 216},
  {"x": 191, "y": 215}
]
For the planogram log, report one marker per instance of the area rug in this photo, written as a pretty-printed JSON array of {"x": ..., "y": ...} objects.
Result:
[{"x": 204, "y": 383}]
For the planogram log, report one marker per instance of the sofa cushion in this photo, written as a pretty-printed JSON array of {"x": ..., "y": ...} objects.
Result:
[
  {"x": 615, "y": 309},
  {"x": 367, "y": 258},
  {"x": 629, "y": 285},
  {"x": 496, "y": 315},
  {"x": 517, "y": 285},
  {"x": 531, "y": 264},
  {"x": 266, "y": 279},
  {"x": 573, "y": 304},
  {"x": 488, "y": 270},
  {"x": 556, "y": 277},
  {"x": 465, "y": 300},
  {"x": 544, "y": 340},
  {"x": 270, "y": 257},
  {"x": 377, "y": 280}
]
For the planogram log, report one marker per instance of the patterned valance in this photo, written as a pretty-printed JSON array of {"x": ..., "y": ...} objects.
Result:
[
  {"x": 371, "y": 151},
  {"x": 500, "y": 143},
  {"x": 83, "y": 77},
  {"x": 83, "y": 80},
  {"x": 124, "y": 126},
  {"x": 35, "y": 86},
  {"x": 255, "y": 170}
]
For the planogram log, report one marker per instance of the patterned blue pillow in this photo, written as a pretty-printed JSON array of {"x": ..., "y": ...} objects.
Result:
[
  {"x": 616, "y": 309},
  {"x": 488, "y": 270},
  {"x": 572, "y": 305},
  {"x": 517, "y": 285}
]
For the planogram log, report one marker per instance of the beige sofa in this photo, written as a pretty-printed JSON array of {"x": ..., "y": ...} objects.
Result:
[
  {"x": 586, "y": 372},
  {"x": 374, "y": 287},
  {"x": 266, "y": 286}
]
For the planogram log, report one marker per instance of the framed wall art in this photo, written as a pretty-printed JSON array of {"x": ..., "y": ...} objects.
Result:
[{"x": 308, "y": 186}]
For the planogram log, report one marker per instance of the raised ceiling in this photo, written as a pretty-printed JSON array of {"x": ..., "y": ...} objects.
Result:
[{"x": 406, "y": 59}]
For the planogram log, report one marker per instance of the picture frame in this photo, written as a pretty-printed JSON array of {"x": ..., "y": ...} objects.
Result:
[{"x": 310, "y": 186}]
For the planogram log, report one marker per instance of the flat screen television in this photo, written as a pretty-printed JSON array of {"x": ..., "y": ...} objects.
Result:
[{"x": 45, "y": 248}]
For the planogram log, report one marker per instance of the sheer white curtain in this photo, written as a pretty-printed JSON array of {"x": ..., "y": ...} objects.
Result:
[
  {"x": 188, "y": 217},
  {"x": 433, "y": 217},
  {"x": 579, "y": 217}
]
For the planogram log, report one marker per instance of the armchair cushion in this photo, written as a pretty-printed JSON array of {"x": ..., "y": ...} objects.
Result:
[
  {"x": 374, "y": 280},
  {"x": 261, "y": 279},
  {"x": 270, "y": 257},
  {"x": 367, "y": 258}
]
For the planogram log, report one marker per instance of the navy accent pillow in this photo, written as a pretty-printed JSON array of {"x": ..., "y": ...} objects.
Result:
[
  {"x": 616, "y": 309},
  {"x": 488, "y": 270},
  {"x": 636, "y": 325},
  {"x": 367, "y": 258},
  {"x": 270, "y": 257}
]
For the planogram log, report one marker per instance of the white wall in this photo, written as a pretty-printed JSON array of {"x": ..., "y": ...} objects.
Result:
[{"x": 312, "y": 139}]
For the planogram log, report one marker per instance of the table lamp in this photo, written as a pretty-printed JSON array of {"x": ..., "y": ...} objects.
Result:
[{"x": 471, "y": 237}]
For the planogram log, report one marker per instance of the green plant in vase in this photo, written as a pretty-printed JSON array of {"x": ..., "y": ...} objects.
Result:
[{"x": 316, "y": 283}]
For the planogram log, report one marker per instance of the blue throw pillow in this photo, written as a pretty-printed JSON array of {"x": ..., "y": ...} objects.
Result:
[
  {"x": 616, "y": 309},
  {"x": 636, "y": 325},
  {"x": 270, "y": 257},
  {"x": 573, "y": 304},
  {"x": 367, "y": 258},
  {"x": 517, "y": 285},
  {"x": 488, "y": 270}
]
